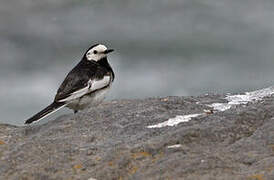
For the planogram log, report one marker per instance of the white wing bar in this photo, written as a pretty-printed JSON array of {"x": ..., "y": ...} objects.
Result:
[{"x": 93, "y": 85}]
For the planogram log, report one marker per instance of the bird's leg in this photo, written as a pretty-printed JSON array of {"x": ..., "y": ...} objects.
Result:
[
  {"x": 89, "y": 83},
  {"x": 75, "y": 111}
]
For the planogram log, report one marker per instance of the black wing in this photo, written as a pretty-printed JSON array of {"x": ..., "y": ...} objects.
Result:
[{"x": 77, "y": 79}]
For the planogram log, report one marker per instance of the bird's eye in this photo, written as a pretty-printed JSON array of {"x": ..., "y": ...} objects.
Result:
[{"x": 95, "y": 52}]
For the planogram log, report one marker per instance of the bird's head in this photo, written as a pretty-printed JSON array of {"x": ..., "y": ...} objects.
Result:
[{"x": 97, "y": 52}]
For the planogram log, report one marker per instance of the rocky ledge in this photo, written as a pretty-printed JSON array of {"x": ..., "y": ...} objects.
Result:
[{"x": 206, "y": 137}]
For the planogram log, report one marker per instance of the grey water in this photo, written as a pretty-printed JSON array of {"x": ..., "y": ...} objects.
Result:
[{"x": 163, "y": 48}]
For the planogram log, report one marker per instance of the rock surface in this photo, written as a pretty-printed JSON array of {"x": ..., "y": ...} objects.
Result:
[{"x": 113, "y": 141}]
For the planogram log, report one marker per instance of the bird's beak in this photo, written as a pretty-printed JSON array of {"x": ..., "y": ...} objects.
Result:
[{"x": 108, "y": 51}]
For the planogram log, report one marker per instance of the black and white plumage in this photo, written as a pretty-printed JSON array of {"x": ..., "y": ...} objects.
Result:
[{"x": 85, "y": 85}]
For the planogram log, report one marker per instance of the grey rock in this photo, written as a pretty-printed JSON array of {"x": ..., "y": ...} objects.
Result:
[{"x": 112, "y": 141}]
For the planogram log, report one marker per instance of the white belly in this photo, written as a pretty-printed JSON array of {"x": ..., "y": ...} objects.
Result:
[{"x": 86, "y": 101}]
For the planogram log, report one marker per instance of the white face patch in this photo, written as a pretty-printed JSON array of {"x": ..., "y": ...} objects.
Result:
[{"x": 96, "y": 53}]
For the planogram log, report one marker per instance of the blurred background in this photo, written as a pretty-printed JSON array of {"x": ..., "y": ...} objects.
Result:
[{"x": 163, "y": 48}]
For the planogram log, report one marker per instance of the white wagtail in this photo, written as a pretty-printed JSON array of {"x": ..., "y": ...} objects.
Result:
[{"x": 86, "y": 84}]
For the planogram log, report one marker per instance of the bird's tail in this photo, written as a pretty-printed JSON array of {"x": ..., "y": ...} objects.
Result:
[{"x": 55, "y": 106}]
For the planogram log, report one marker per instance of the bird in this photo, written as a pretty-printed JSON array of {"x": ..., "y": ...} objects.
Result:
[{"x": 84, "y": 86}]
